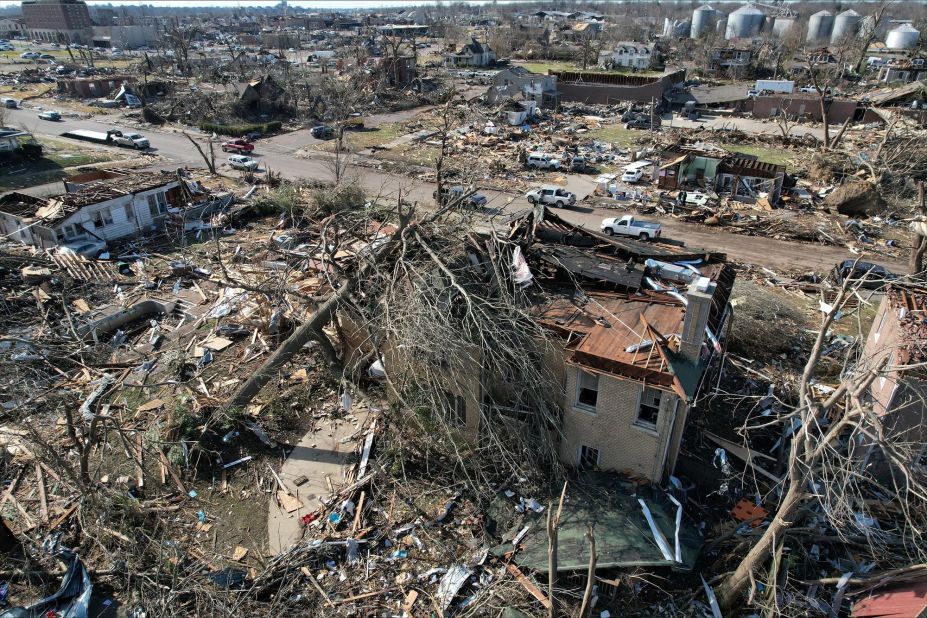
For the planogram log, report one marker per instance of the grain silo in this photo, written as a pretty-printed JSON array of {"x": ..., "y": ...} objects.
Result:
[
  {"x": 820, "y": 25},
  {"x": 745, "y": 22},
  {"x": 783, "y": 24},
  {"x": 721, "y": 25},
  {"x": 846, "y": 24},
  {"x": 904, "y": 36},
  {"x": 703, "y": 20}
]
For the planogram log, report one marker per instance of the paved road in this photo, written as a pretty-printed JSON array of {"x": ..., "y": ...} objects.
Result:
[{"x": 278, "y": 154}]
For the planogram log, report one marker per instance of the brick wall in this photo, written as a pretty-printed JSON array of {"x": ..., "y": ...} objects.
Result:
[
  {"x": 622, "y": 445},
  {"x": 640, "y": 89}
]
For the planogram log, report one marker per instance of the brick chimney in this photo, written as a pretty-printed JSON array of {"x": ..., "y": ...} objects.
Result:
[{"x": 698, "y": 298}]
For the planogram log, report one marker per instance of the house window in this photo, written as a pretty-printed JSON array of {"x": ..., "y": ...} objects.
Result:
[
  {"x": 103, "y": 217},
  {"x": 587, "y": 390},
  {"x": 130, "y": 212},
  {"x": 455, "y": 409},
  {"x": 649, "y": 408},
  {"x": 588, "y": 457},
  {"x": 156, "y": 205}
]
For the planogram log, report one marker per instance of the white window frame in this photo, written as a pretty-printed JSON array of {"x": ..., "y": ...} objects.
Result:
[
  {"x": 638, "y": 421},
  {"x": 580, "y": 456},
  {"x": 104, "y": 216},
  {"x": 585, "y": 407}
]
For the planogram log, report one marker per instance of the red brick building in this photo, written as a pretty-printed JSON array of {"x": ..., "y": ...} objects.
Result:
[{"x": 58, "y": 20}]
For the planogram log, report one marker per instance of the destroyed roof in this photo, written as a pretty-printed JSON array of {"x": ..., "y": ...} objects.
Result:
[
  {"x": 553, "y": 228},
  {"x": 19, "y": 204},
  {"x": 588, "y": 264},
  {"x": 603, "y": 327},
  {"x": 902, "y": 600},
  {"x": 886, "y": 95},
  {"x": 623, "y": 537},
  {"x": 743, "y": 166}
]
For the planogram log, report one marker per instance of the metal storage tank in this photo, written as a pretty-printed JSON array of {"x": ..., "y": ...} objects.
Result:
[
  {"x": 820, "y": 25},
  {"x": 703, "y": 19},
  {"x": 845, "y": 24},
  {"x": 745, "y": 22},
  {"x": 904, "y": 36},
  {"x": 783, "y": 24},
  {"x": 721, "y": 25}
]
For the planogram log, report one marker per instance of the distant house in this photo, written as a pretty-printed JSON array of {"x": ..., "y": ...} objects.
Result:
[
  {"x": 472, "y": 54},
  {"x": 743, "y": 178},
  {"x": 730, "y": 60},
  {"x": 93, "y": 87},
  {"x": 518, "y": 82},
  {"x": 263, "y": 95},
  {"x": 631, "y": 55}
]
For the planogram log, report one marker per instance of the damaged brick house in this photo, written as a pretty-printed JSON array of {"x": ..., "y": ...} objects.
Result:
[
  {"x": 103, "y": 205},
  {"x": 626, "y": 351}
]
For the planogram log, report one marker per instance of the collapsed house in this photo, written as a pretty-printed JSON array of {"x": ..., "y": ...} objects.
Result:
[
  {"x": 519, "y": 81},
  {"x": 472, "y": 54},
  {"x": 106, "y": 206},
  {"x": 743, "y": 177},
  {"x": 897, "y": 348}
]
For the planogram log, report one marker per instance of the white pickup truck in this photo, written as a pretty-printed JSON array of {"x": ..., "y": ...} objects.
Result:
[
  {"x": 131, "y": 140},
  {"x": 629, "y": 226},
  {"x": 554, "y": 196}
]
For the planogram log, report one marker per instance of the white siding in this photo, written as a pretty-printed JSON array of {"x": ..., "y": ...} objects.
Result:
[{"x": 122, "y": 224}]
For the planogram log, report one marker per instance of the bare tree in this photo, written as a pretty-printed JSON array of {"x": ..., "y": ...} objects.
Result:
[
  {"x": 826, "y": 72},
  {"x": 827, "y": 474}
]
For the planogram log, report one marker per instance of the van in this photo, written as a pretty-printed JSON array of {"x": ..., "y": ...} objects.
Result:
[{"x": 9, "y": 103}]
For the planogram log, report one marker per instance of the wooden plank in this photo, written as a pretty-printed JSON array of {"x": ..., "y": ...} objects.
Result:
[
  {"x": 43, "y": 501},
  {"x": 745, "y": 454},
  {"x": 366, "y": 595},
  {"x": 357, "y": 513},
  {"x": 64, "y": 516},
  {"x": 528, "y": 585},
  {"x": 368, "y": 444}
]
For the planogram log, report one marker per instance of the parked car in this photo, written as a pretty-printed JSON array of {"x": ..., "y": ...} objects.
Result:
[
  {"x": 542, "y": 161},
  {"x": 87, "y": 248},
  {"x": 50, "y": 115},
  {"x": 237, "y": 145},
  {"x": 29, "y": 55},
  {"x": 553, "y": 196},
  {"x": 131, "y": 140},
  {"x": 643, "y": 123},
  {"x": 475, "y": 199},
  {"x": 865, "y": 274},
  {"x": 241, "y": 162},
  {"x": 323, "y": 132},
  {"x": 629, "y": 226},
  {"x": 46, "y": 57},
  {"x": 807, "y": 89},
  {"x": 579, "y": 164},
  {"x": 632, "y": 175},
  {"x": 10, "y": 103}
]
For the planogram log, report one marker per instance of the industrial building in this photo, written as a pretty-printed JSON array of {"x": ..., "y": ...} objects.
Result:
[{"x": 58, "y": 20}]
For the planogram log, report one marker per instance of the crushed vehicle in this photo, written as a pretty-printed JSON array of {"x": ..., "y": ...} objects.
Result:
[
  {"x": 864, "y": 274},
  {"x": 629, "y": 226}
]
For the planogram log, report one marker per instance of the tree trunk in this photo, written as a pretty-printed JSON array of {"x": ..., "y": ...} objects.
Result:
[
  {"x": 919, "y": 246},
  {"x": 590, "y": 575},
  {"x": 730, "y": 590},
  {"x": 825, "y": 118},
  {"x": 302, "y": 335}
]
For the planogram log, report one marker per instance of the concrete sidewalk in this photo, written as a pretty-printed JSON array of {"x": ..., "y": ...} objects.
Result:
[{"x": 321, "y": 454}]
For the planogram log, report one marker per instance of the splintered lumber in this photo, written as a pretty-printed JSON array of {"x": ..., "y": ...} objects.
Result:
[
  {"x": 745, "y": 454},
  {"x": 528, "y": 585},
  {"x": 40, "y": 483},
  {"x": 311, "y": 329},
  {"x": 366, "y": 595}
]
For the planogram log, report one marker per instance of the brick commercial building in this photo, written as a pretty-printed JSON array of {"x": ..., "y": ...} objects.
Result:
[
  {"x": 58, "y": 20},
  {"x": 599, "y": 87}
]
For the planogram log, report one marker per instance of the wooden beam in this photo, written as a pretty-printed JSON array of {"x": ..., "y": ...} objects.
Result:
[{"x": 528, "y": 585}]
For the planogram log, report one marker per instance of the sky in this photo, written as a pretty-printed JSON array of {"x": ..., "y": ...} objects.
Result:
[{"x": 309, "y": 4}]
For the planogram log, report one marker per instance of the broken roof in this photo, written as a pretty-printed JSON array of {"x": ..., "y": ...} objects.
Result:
[
  {"x": 910, "y": 305},
  {"x": 623, "y": 537}
]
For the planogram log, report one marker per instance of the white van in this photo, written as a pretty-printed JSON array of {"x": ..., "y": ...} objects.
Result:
[{"x": 543, "y": 161}]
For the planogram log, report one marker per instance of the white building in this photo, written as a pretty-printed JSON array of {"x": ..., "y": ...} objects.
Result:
[
  {"x": 631, "y": 55},
  {"x": 473, "y": 54}
]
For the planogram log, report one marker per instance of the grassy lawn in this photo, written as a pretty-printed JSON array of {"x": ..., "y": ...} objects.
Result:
[
  {"x": 368, "y": 138},
  {"x": 58, "y": 155},
  {"x": 543, "y": 65},
  {"x": 763, "y": 153},
  {"x": 616, "y": 134}
]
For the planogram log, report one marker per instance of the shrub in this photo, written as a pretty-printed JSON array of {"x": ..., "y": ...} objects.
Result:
[{"x": 237, "y": 130}]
